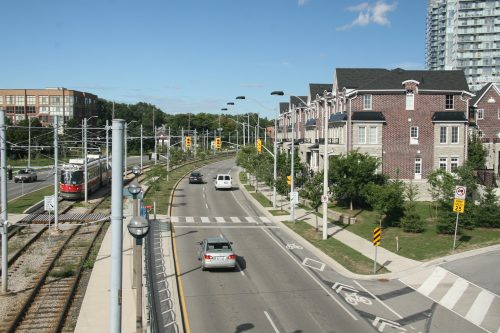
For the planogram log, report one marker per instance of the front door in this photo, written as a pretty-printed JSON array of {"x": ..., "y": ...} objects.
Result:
[{"x": 418, "y": 168}]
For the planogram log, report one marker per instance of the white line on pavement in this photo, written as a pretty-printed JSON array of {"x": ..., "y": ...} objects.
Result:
[
  {"x": 271, "y": 321},
  {"x": 375, "y": 297}
]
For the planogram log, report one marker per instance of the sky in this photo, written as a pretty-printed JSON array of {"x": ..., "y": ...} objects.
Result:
[{"x": 191, "y": 56}]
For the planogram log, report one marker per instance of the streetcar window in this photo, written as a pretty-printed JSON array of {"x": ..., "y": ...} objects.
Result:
[{"x": 73, "y": 178}]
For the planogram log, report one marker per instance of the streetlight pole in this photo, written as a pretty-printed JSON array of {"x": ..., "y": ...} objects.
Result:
[
  {"x": 29, "y": 142},
  {"x": 325, "y": 171},
  {"x": 3, "y": 195},
  {"x": 56, "y": 178}
]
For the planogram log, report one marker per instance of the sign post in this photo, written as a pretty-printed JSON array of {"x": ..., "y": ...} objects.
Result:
[
  {"x": 377, "y": 235},
  {"x": 458, "y": 207},
  {"x": 49, "y": 205}
]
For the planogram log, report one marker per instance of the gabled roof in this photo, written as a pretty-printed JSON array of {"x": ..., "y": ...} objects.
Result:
[
  {"x": 318, "y": 89},
  {"x": 284, "y": 107},
  {"x": 337, "y": 117},
  {"x": 480, "y": 94},
  {"x": 449, "y": 116},
  {"x": 368, "y": 116},
  {"x": 384, "y": 79},
  {"x": 298, "y": 101}
]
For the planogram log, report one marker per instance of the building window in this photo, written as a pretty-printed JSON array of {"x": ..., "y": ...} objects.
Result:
[
  {"x": 367, "y": 102},
  {"x": 443, "y": 163},
  {"x": 9, "y": 100},
  {"x": 30, "y": 100},
  {"x": 362, "y": 135},
  {"x": 443, "y": 134},
  {"x": 414, "y": 135},
  {"x": 372, "y": 135},
  {"x": 19, "y": 100},
  {"x": 55, "y": 100},
  {"x": 449, "y": 102},
  {"x": 43, "y": 100},
  {"x": 454, "y": 134},
  {"x": 410, "y": 101},
  {"x": 418, "y": 166},
  {"x": 1, "y": 99},
  {"x": 498, "y": 112},
  {"x": 454, "y": 164},
  {"x": 479, "y": 114}
]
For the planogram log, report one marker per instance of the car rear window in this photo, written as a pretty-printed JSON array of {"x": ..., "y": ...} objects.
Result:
[
  {"x": 227, "y": 178},
  {"x": 219, "y": 246}
]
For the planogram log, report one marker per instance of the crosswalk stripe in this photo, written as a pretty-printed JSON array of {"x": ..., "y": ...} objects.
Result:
[
  {"x": 235, "y": 219},
  {"x": 189, "y": 219},
  {"x": 174, "y": 219},
  {"x": 265, "y": 219},
  {"x": 220, "y": 219},
  {"x": 250, "y": 219},
  {"x": 205, "y": 219},
  {"x": 454, "y": 293},
  {"x": 432, "y": 281},
  {"x": 477, "y": 311}
]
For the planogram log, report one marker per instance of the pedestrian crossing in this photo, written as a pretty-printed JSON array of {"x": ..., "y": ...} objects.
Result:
[
  {"x": 218, "y": 219},
  {"x": 479, "y": 306}
]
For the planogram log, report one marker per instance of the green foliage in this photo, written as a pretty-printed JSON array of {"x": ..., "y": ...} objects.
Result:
[
  {"x": 155, "y": 176},
  {"x": 411, "y": 220},
  {"x": 489, "y": 209},
  {"x": 349, "y": 175},
  {"x": 313, "y": 190},
  {"x": 476, "y": 153},
  {"x": 387, "y": 199}
]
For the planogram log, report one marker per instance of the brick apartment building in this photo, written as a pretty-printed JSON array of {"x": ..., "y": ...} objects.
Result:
[
  {"x": 22, "y": 104},
  {"x": 413, "y": 121},
  {"x": 484, "y": 119}
]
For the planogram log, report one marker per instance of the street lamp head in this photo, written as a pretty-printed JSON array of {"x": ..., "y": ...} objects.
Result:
[
  {"x": 230, "y": 103},
  {"x": 240, "y": 97},
  {"x": 138, "y": 227},
  {"x": 134, "y": 188},
  {"x": 223, "y": 109},
  {"x": 136, "y": 170},
  {"x": 278, "y": 93}
]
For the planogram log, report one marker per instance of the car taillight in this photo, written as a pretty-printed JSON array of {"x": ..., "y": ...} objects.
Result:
[
  {"x": 231, "y": 256},
  {"x": 208, "y": 256}
]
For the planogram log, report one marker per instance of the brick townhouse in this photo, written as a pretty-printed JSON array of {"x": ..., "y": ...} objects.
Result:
[
  {"x": 484, "y": 120},
  {"x": 413, "y": 121}
]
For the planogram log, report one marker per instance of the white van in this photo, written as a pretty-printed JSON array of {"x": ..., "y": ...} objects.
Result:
[{"x": 223, "y": 181}]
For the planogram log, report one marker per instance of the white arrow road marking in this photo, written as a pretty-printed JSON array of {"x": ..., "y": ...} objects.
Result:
[
  {"x": 343, "y": 286},
  {"x": 387, "y": 322}
]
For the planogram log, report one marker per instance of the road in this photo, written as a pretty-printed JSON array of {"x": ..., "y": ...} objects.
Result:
[{"x": 281, "y": 286}]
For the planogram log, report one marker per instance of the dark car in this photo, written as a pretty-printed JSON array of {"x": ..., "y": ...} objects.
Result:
[{"x": 195, "y": 178}]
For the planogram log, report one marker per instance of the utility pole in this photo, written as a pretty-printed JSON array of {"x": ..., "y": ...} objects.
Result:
[
  {"x": 85, "y": 166},
  {"x": 292, "y": 202},
  {"x": 56, "y": 178},
  {"x": 168, "y": 153},
  {"x": 29, "y": 142},
  {"x": 325, "y": 171},
  {"x": 125, "y": 150},
  {"x": 141, "y": 148},
  {"x": 116, "y": 226},
  {"x": 107, "y": 142},
  {"x": 4, "y": 222}
]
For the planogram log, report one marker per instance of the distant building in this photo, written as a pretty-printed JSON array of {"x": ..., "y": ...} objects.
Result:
[
  {"x": 464, "y": 35},
  {"x": 46, "y": 103}
]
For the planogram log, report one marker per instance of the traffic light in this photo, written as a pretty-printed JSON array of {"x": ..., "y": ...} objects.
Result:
[
  {"x": 259, "y": 146},
  {"x": 188, "y": 142},
  {"x": 217, "y": 143},
  {"x": 289, "y": 180}
]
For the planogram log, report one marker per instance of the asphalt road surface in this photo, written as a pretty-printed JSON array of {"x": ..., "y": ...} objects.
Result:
[{"x": 279, "y": 285}]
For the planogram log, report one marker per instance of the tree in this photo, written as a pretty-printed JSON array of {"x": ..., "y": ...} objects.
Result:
[
  {"x": 388, "y": 199},
  {"x": 349, "y": 174},
  {"x": 313, "y": 190},
  {"x": 411, "y": 220},
  {"x": 489, "y": 208},
  {"x": 154, "y": 177},
  {"x": 476, "y": 153}
]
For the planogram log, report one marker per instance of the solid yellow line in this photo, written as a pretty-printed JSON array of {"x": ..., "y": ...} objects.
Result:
[{"x": 181, "y": 290}]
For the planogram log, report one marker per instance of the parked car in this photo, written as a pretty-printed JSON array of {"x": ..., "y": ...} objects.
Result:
[
  {"x": 195, "y": 178},
  {"x": 223, "y": 181},
  {"x": 216, "y": 252},
  {"x": 25, "y": 175}
]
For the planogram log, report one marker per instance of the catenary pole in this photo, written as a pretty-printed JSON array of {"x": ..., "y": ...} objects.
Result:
[
  {"x": 56, "y": 173},
  {"x": 3, "y": 165},
  {"x": 116, "y": 225}
]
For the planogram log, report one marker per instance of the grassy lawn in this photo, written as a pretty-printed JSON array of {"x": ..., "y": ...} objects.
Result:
[
  {"x": 262, "y": 199},
  {"x": 250, "y": 188},
  {"x": 279, "y": 212},
  {"x": 426, "y": 245},
  {"x": 343, "y": 254},
  {"x": 19, "y": 205}
]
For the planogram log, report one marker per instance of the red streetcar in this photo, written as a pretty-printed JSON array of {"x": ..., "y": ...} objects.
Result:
[{"x": 71, "y": 183}]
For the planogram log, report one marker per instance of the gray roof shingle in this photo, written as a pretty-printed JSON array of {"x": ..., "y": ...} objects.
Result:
[
  {"x": 449, "y": 116},
  {"x": 319, "y": 89}
]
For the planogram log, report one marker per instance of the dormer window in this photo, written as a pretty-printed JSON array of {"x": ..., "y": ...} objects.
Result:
[
  {"x": 367, "y": 102},
  {"x": 410, "y": 100}
]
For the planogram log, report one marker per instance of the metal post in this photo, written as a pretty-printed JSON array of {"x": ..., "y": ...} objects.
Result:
[
  {"x": 107, "y": 142},
  {"x": 325, "y": 172},
  {"x": 29, "y": 142},
  {"x": 168, "y": 153},
  {"x": 85, "y": 166},
  {"x": 455, "y": 237},
  {"x": 3, "y": 165},
  {"x": 275, "y": 160},
  {"x": 195, "y": 144},
  {"x": 116, "y": 226},
  {"x": 141, "y": 148},
  {"x": 248, "y": 119},
  {"x": 125, "y": 150},
  {"x": 215, "y": 135},
  {"x": 183, "y": 142},
  {"x": 292, "y": 204},
  {"x": 138, "y": 283},
  {"x": 56, "y": 174}
]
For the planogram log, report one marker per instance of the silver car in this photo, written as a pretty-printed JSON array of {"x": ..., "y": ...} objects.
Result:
[
  {"x": 216, "y": 252},
  {"x": 26, "y": 175}
]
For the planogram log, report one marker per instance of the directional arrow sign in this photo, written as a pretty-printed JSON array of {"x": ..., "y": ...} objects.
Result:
[
  {"x": 386, "y": 322},
  {"x": 339, "y": 286}
]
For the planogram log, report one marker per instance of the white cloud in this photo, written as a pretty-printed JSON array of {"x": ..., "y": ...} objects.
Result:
[
  {"x": 303, "y": 2},
  {"x": 376, "y": 14}
]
